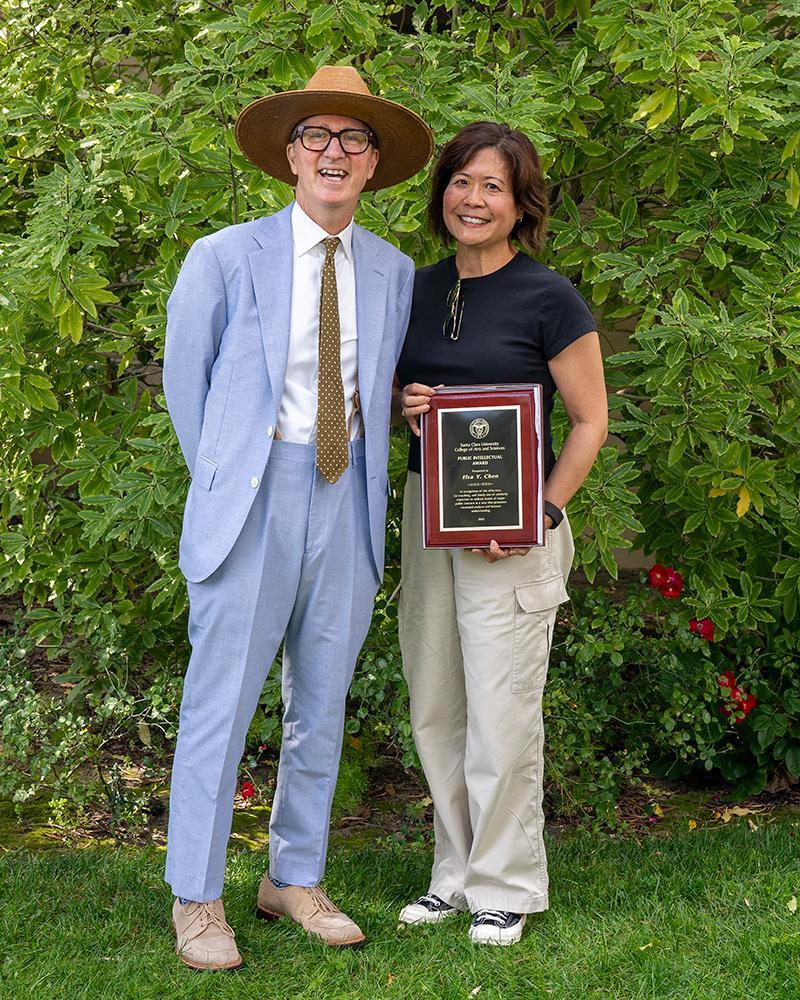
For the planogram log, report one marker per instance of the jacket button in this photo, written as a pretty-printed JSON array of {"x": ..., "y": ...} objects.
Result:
[
  {"x": 270, "y": 431},
  {"x": 254, "y": 482}
]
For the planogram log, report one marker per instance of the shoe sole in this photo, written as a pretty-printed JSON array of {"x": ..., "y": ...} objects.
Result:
[
  {"x": 263, "y": 914},
  {"x": 497, "y": 941},
  {"x": 429, "y": 918},
  {"x": 209, "y": 968},
  {"x": 203, "y": 968}
]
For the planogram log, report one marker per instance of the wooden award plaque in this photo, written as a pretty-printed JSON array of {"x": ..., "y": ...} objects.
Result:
[{"x": 483, "y": 467}]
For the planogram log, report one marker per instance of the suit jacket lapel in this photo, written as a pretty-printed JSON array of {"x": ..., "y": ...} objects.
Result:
[
  {"x": 271, "y": 269},
  {"x": 371, "y": 289},
  {"x": 271, "y": 273}
]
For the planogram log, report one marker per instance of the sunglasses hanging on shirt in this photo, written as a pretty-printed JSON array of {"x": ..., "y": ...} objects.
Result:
[{"x": 455, "y": 310}]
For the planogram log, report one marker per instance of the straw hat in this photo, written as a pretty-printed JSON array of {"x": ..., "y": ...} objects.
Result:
[{"x": 263, "y": 127}]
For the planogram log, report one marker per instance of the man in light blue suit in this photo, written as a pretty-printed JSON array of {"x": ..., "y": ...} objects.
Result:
[{"x": 282, "y": 338}]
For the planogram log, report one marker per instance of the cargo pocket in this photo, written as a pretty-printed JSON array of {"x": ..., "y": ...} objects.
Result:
[
  {"x": 204, "y": 472},
  {"x": 534, "y": 615}
]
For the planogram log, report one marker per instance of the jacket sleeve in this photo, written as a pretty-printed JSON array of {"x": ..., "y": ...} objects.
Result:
[
  {"x": 196, "y": 319},
  {"x": 404, "y": 307}
]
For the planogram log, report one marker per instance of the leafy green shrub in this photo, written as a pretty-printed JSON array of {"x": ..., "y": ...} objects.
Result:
[
  {"x": 632, "y": 689},
  {"x": 670, "y": 137},
  {"x": 80, "y": 751}
]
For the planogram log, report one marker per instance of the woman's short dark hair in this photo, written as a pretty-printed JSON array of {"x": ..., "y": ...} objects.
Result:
[{"x": 527, "y": 183}]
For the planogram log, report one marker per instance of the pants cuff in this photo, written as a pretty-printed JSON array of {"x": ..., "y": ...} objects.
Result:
[
  {"x": 451, "y": 895},
  {"x": 296, "y": 876},
  {"x": 191, "y": 887},
  {"x": 490, "y": 900}
]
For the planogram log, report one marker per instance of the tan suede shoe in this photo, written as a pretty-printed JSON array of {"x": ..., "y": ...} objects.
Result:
[
  {"x": 312, "y": 909},
  {"x": 205, "y": 940}
]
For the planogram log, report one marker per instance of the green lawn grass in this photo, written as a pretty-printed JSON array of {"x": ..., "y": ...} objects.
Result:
[{"x": 698, "y": 914}]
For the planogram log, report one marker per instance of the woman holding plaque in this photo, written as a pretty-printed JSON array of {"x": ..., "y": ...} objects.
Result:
[{"x": 476, "y": 624}]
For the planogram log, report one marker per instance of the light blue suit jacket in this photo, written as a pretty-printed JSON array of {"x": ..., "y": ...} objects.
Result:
[{"x": 225, "y": 359}]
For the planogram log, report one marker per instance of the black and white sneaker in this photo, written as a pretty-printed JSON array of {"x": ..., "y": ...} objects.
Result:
[
  {"x": 429, "y": 909},
  {"x": 496, "y": 927}
]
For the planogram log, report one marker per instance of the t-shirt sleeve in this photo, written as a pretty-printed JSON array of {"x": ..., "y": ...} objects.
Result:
[{"x": 565, "y": 317}]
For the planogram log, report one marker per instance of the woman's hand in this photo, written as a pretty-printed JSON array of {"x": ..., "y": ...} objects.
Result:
[
  {"x": 495, "y": 552},
  {"x": 414, "y": 401}
]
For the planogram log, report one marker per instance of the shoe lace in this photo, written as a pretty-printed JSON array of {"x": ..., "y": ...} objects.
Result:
[
  {"x": 433, "y": 902},
  {"x": 323, "y": 903},
  {"x": 497, "y": 918},
  {"x": 207, "y": 916}
]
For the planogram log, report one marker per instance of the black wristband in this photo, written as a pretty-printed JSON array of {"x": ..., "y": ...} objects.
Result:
[{"x": 556, "y": 514}]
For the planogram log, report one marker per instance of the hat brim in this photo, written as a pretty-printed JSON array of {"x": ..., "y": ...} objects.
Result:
[{"x": 404, "y": 140}]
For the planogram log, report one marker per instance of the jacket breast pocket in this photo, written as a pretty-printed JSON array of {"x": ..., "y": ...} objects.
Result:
[
  {"x": 535, "y": 607},
  {"x": 204, "y": 472}
]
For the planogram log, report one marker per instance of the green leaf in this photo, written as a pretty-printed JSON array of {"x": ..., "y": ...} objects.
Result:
[
  {"x": 592, "y": 148},
  {"x": 282, "y": 68},
  {"x": 628, "y": 213},
  {"x": 203, "y": 138},
  {"x": 793, "y": 189},
  {"x": 650, "y": 103},
  {"x": 790, "y": 148},
  {"x": 578, "y": 63},
  {"x": 259, "y": 9},
  {"x": 716, "y": 255},
  {"x": 321, "y": 19},
  {"x": 681, "y": 303},
  {"x": 666, "y": 109},
  {"x": 70, "y": 323},
  {"x": 677, "y": 448},
  {"x": 693, "y": 521},
  {"x": 193, "y": 55},
  {"x": 792, "y": 760}
]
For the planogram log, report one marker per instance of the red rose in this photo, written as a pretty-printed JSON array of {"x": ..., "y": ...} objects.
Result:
[
  {"x": 704, "y": 628},
  {"x": 746, "y": 706},
  {"x": 657, "y": 576},
  {"x": 248, "y": 790},
  {"x": 674, "y": 584},
  {"x": 726, "y": 680},
  {"x": 733, "y": 694},
  {"x": 744, "y": 701}
]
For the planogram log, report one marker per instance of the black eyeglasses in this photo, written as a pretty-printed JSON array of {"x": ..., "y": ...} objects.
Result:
[
  {"x": 455, "y": 310},
  {"x": 317, "y": 138}
]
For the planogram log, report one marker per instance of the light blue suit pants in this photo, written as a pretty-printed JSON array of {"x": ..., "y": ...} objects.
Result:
[{"x": 301, "y": 568}]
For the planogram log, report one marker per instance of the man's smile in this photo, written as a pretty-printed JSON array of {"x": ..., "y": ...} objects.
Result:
[{"x": 334, "y": 174}]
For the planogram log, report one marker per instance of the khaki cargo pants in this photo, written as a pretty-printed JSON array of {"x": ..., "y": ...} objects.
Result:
[{"x": 475, "y": 638}]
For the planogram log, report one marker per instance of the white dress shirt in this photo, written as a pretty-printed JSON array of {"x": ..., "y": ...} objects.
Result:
[{"x": 298, "y": 413}]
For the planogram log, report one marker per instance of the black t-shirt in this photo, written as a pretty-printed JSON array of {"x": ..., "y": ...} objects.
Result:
[{"x": 514, "y": 321}]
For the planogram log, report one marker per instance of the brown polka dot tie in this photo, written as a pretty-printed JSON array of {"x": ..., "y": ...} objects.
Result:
[{"x": 331, "y": 424}]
